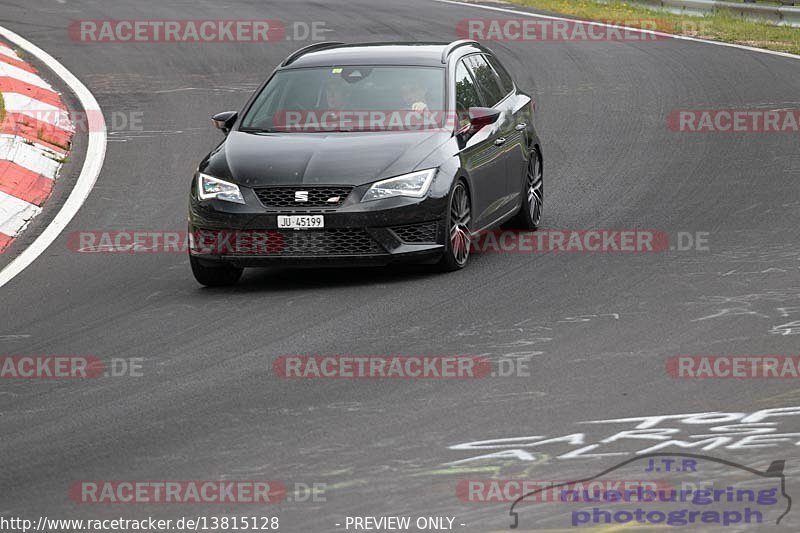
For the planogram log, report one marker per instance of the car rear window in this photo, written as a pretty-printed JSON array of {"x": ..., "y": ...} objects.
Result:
[
  {"x": 486, "y": 78},
  {"x": 505, "y": 78}
]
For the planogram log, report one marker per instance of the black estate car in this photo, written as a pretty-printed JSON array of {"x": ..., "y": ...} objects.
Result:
[{"x": 367, "y": 154}]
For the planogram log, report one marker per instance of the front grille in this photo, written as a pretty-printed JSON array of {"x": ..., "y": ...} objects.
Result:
[
  {"x": 318, "y": 197},
  {"x": 280, "y": 243},
  {"x": 417, "y": 233},
  {"x": 343, "y": 241}
]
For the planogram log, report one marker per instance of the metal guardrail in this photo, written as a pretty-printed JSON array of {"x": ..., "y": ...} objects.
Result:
[{"x": 779, "y": 14}]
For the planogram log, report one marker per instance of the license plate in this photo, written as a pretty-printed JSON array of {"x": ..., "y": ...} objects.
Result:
[{"x": 301, "y": 221}]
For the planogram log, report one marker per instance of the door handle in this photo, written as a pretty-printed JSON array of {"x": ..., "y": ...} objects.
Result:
[
  {"x": 521, "y": 126},
  {"x": 500, "y": 141}
]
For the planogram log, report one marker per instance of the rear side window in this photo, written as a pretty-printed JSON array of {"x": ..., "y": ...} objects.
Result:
[
  {"x": 466, "y": 94},
  {"x": 487, "y": 80},
  {"x": 502, "y": 73}
]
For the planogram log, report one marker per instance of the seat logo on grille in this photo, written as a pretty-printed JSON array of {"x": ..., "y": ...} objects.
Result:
[
  {"x": 333, "y": 200},
  {"x": 300, "y": 196}
]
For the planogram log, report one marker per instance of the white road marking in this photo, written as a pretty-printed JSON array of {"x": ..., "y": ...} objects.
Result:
[
  {"x": 43, "y": 149},
  {"x": 637, "y": 30},
  {"x": 92, "y": 165},
  {"x": 41, "y": 111},
  {"x": 14, "y": 337},
  {"x": 16, "y": 150},
  {"x": 10, "y": 71},
  {"x": 15, "y": 214},
  {"x": 6, "y": 51}
]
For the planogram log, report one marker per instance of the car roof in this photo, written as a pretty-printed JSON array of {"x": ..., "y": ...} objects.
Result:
[{"x": 383, "y": 53}]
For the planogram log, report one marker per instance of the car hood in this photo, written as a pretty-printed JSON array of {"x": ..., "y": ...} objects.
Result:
[{"x": 260, "y": 159}]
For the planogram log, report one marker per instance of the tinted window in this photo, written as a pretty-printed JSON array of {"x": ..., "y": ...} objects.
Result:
[
  {"x": 487, "y": 80},
  {"x": 502, "y": 73},
  {"x": 466, "y": 94}
]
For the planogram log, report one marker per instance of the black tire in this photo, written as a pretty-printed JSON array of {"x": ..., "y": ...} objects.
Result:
[
  {"x": 458, "y": 218},
  {"x": 529, "y": 216},
  {"x": 223, "y": 275}
]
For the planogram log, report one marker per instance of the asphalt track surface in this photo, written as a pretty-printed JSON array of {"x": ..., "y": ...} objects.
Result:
[{"x": 208, "y": 405}]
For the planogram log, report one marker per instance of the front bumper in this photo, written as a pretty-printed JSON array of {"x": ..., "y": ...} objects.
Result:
[{"x": 369, "y": 233}]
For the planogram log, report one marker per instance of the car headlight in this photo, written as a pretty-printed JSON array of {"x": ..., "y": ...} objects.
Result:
[
  {"x": 415, "y": 185},
  {"x": 209, "y": 187}
]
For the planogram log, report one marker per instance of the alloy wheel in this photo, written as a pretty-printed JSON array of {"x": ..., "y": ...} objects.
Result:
[
  {"x": 460, "y": 215},
  {"x": 535, "y": 190}
]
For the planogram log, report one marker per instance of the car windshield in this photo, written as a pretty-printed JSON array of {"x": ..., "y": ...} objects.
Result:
[{"x": 350, "y": 98}]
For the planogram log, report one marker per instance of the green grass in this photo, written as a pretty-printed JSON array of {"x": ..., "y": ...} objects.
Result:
[
  {"x": 719, "y": 26},
  {"x": 770, "y": 2},
  {"x": 2, "y": 109}
]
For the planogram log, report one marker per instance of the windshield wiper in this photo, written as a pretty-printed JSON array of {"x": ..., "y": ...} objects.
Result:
[{"x": 257, "y": 130}]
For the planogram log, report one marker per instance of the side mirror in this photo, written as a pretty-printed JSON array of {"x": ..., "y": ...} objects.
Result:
[
  {"x": 225, "y": 121},
  {"x": 482, "y": 116}
]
